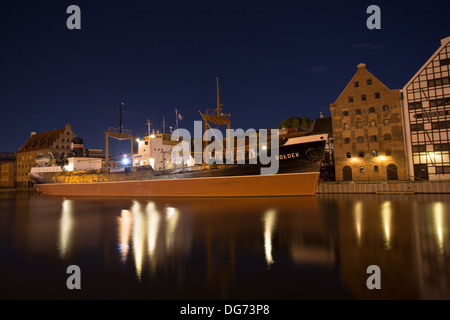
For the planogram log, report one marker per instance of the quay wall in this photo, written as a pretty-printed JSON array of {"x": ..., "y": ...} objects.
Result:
[{"x": 389, "y": 187}]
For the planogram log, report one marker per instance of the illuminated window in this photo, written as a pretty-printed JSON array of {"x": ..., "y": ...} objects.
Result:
[
  {"x": 386, "y": 122},
  {"x": 374, "y": 153},
  {"x": 373, "y": 123},
  {"x": 346, "y": 126},
  {"x": 361, "y": 169}
]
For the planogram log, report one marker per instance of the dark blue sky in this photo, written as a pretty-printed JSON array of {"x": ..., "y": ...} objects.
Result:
[{"x": 274, "y": 59}]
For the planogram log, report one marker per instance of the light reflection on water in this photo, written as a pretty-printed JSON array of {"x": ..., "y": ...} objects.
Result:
[{"x": 270, "y": 248}]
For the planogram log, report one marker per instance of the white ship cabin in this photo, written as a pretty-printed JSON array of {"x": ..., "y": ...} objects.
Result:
[
  {"x": 73, "y": 164},
  {"x": 156, "y": 150}
]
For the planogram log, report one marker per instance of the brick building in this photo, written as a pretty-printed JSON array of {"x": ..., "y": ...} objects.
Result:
[
  {"x": 368, "y": 131},
  {"x": 57, "y": 142}
]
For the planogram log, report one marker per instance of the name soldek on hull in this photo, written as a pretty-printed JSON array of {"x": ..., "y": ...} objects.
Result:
[{"x": 298, "y": 162}]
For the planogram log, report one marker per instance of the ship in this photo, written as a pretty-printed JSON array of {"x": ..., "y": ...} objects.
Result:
[
  {"x": 298, "y": 159},
  {"x": 154, "y": 172}
]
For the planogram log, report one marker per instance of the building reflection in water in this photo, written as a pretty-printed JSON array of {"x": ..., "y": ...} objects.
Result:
[
  {"x": 358, "y": 222},
  {"x": 152, "y": 234},
  {"x": 65, "y": 227},
  {"x": 269, "y": 221}
]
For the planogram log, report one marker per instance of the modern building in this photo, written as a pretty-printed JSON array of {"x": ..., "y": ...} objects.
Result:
[
  {"x": 58, "y": 143},
  {"x": 368, "y": 131},
  {"x": 426, "y": 112}
]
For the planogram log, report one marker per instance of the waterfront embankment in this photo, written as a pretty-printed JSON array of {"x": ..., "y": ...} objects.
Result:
[{"x": 385, "y": 187}]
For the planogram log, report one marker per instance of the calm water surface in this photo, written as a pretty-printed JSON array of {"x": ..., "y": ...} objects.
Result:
[{"x": 251, "y": 248}]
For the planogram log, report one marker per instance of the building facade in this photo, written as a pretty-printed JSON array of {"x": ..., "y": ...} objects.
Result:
[
  {"x": 368, "y": 131},
  {"x": 57, "y": 142},
  {"x": 426, "y": 110}
]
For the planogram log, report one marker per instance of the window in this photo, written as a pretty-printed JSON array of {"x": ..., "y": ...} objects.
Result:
[
  {"x": 377, "y": 95},
  {"x": 361, "y": 169},
  {"x": 350, "y": 99},
  {"x": 358, "y": 111},
  {"x": 371, "y": 110},
  {"x": 388, "y": 153},
  {"x": 62, "y": 139},
  {"x": 373, "y": 138},
  {"x": 363, "y": 97},
  {"x": 356, "y": 83},
  {"x": 387, "y": 136},
  {"x": 373, "y": 123},
  {"x": 349, "y": 155},
  {"x": 345, "y": 113},
  {"x": 385, "y": 108},
  {"x": 375, "y": 168},
  {"x": 347, "y": 140},
  {"x": 418, "y": 126},
  {"x": 374, "y": 153},
  {"x": 359, "y": 124},
  {"x": 419, "y": 148},
  {"x": 444, "y": 62},
  {"x": 146, "y": 143},
  {"x": 67, "y": 147},
  {"x": 386, "y": 122},
  {"x": 346, "y": 126},
  {"x": 360, "y": 139},
  {"x": 369, "y": 82},
  {"x": 416, "y": 105},
  {"x": 443, "y": 169},
  {"x": 361, "y": 154},
  {"x": 67, "y": 132},
  {"x": 438, "y": 81},
  {"x": 57, "y": 147}
]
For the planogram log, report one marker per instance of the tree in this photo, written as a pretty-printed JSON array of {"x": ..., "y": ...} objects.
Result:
[{"x": 301, "y": 123}]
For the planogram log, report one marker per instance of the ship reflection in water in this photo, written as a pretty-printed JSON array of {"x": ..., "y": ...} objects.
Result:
[{"x": 234, "y": 248}]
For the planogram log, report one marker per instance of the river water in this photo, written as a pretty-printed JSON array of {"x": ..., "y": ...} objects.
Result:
[{"x": 279, "y": 248}]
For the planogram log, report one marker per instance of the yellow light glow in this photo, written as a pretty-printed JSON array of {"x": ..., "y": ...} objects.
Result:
[
  {"x": 269, "y": 220},
  {"x": 382, "y": 158},
  {"x": 357, "y": 211},
  {"x": 125, "y": 223},
  {"x": 65, "y": 227},
  {"x": 172, "y": 217},
  {"x": 138, "y": 237},
  {"x": 137, "y": 139},
  {"x": 354, "y": 159},
  {"x": 153, "y": 229},
  {"x": 386, "y": 214},
  {"x": 440, "y": 226}
]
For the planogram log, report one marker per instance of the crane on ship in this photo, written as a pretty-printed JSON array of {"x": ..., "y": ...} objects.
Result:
[
  {"x": 118, "y": 134},
  {"x": 216, "y": 116}
]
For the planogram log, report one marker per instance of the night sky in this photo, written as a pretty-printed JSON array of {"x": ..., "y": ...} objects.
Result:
[{"x": 274, "y": 59}]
